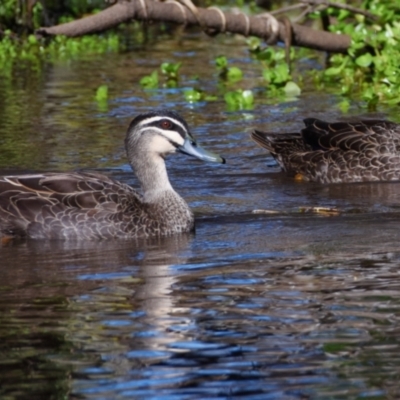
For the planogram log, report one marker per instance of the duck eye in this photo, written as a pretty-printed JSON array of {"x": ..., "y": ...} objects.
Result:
[{"x": 165, "y": 124}]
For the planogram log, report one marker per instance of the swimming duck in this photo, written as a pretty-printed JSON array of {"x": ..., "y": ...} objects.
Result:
[
  {"x": 337, "y": 152},
  {"x": 90, "y": 205}
]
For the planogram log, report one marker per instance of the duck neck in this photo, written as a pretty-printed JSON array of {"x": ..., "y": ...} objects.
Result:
[{"x": 152, "y": 174}]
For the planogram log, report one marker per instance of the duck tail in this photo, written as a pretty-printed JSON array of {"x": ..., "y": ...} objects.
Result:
[{"x": 278, "y": 143}]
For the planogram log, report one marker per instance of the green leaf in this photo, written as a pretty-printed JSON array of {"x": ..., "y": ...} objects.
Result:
[
  {"x": 333, "y": 71},
  {"x": 248, "y": 98},
  {"x": 234, "y": 74},
  {"x": 193, "y": 95},
  {"x": 279, "y": 55},
  {"x": 266, "y": 55},
  {"x": 281, "y": 74},
  {"x": 291, "y": 89},
  {"x": 150, "y": 81},
  {"x": 170, "y": 69},
  {"x": 343, "y": 14},
  {"x": 221, "y": 62},
  {"x": 32, "y": 39},
  {"x": 102, "y": 93},
  {"x": 277, "y": 75},
  {"x": 393, "y": 102},
  {"x": 254, "y": 44},
  {"x": 344, "y": 105},
  {"x": 267, "y": 74},
  {"x": 365, "y": 60},
  {"x": 171, "y": 83},
  {"x": 239, "y": 100}
]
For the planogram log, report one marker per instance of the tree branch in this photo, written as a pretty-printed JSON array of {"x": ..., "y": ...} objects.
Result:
[
  {"x": 341, "y": 6},
  {"x": 211, "y": 19}
]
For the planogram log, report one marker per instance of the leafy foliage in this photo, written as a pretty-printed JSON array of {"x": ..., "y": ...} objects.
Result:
[
  {"x": 101, "y": 93},
  {"x": 275, "y": 70},
  {"x": 239, "y": 100},
  {"x": 34, "y": 51},
  {"x": 225, "y": 73},
  {"x": 169, "y": 70},
  {"x": 367, "y": 72},
  {"x": 195, "y": 95},
  {"x": 101, "y": 97},
  {"x": 370, "y": 68},
  {"x": 150, "y": 81},
  {"x": 14, "y": 14}
]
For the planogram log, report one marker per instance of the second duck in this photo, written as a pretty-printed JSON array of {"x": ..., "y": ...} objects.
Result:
[{"x": 324, "y": 152}]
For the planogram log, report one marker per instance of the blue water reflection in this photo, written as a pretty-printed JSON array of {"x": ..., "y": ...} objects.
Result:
[{"x": 279, "y": 304}]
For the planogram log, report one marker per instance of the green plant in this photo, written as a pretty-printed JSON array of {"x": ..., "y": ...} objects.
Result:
[
  {"x": 228, "y": 74},
  {"x": 194, "y": 95},
  {"x": 277, "y": 75},
  {"x": 62, "y": 47},
  {"x": 239, "y": 100},
  {"x": 170, "y": 70},
  {"x": 12, "y": 50},
  {"x": 150, "y": 81},
  {"x": 101, "y": 98},
  {"x": 37, "y": 15},
  {"x": 275, "y": 70},
  {"x": 369, "y": 70},
  {"x": 8, "y": 9},
  {"x": 291, "y": 90},
  {"x": 33, "y": 52},
  {"x": 101, "y": 93}
]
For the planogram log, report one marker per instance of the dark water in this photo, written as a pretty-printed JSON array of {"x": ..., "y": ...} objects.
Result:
[{"x": 283, "y": 305}]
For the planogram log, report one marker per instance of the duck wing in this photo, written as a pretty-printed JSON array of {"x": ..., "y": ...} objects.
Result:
[
  {"x": 365, "y": 150},
  {"x": 380, "y": 136},
  {"x": 47, "y": 202}
]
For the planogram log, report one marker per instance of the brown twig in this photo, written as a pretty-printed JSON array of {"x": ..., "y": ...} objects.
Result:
[
  {"x": 307, "y": 11},
  {"x": 286, "y": 9},
  {"x": 341, "y": 6}
]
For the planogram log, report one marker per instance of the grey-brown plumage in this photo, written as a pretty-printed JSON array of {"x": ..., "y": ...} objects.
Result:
[
  {"x": 89, "y": 206},
  {"x": 337, "y": 152}
]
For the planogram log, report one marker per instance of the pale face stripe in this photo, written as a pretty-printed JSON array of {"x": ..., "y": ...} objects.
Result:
[
  {"x": 159, "y": 118},
  {"x": 171, "y": 135},
  {"x": 10, "y": 178}
]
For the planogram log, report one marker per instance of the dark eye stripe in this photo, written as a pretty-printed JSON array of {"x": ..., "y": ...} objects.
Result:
[{"x": 174, "y": 127}]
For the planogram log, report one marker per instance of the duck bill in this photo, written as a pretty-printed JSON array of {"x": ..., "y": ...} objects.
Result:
[{"x": 191, "y": 148}]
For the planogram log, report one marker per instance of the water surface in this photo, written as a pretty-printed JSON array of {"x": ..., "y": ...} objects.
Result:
[{"x": 282, "y": 305}]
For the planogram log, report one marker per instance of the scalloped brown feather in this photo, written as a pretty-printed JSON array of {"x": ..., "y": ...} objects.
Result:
[
  {"x": 324, "y": 152},
  {"x": 74, "y": 205}
]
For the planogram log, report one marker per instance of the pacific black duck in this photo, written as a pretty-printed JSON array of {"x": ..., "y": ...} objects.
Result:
[
  {"x": 90, "y": 205},
  {"x": 337, "y": 152}
]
